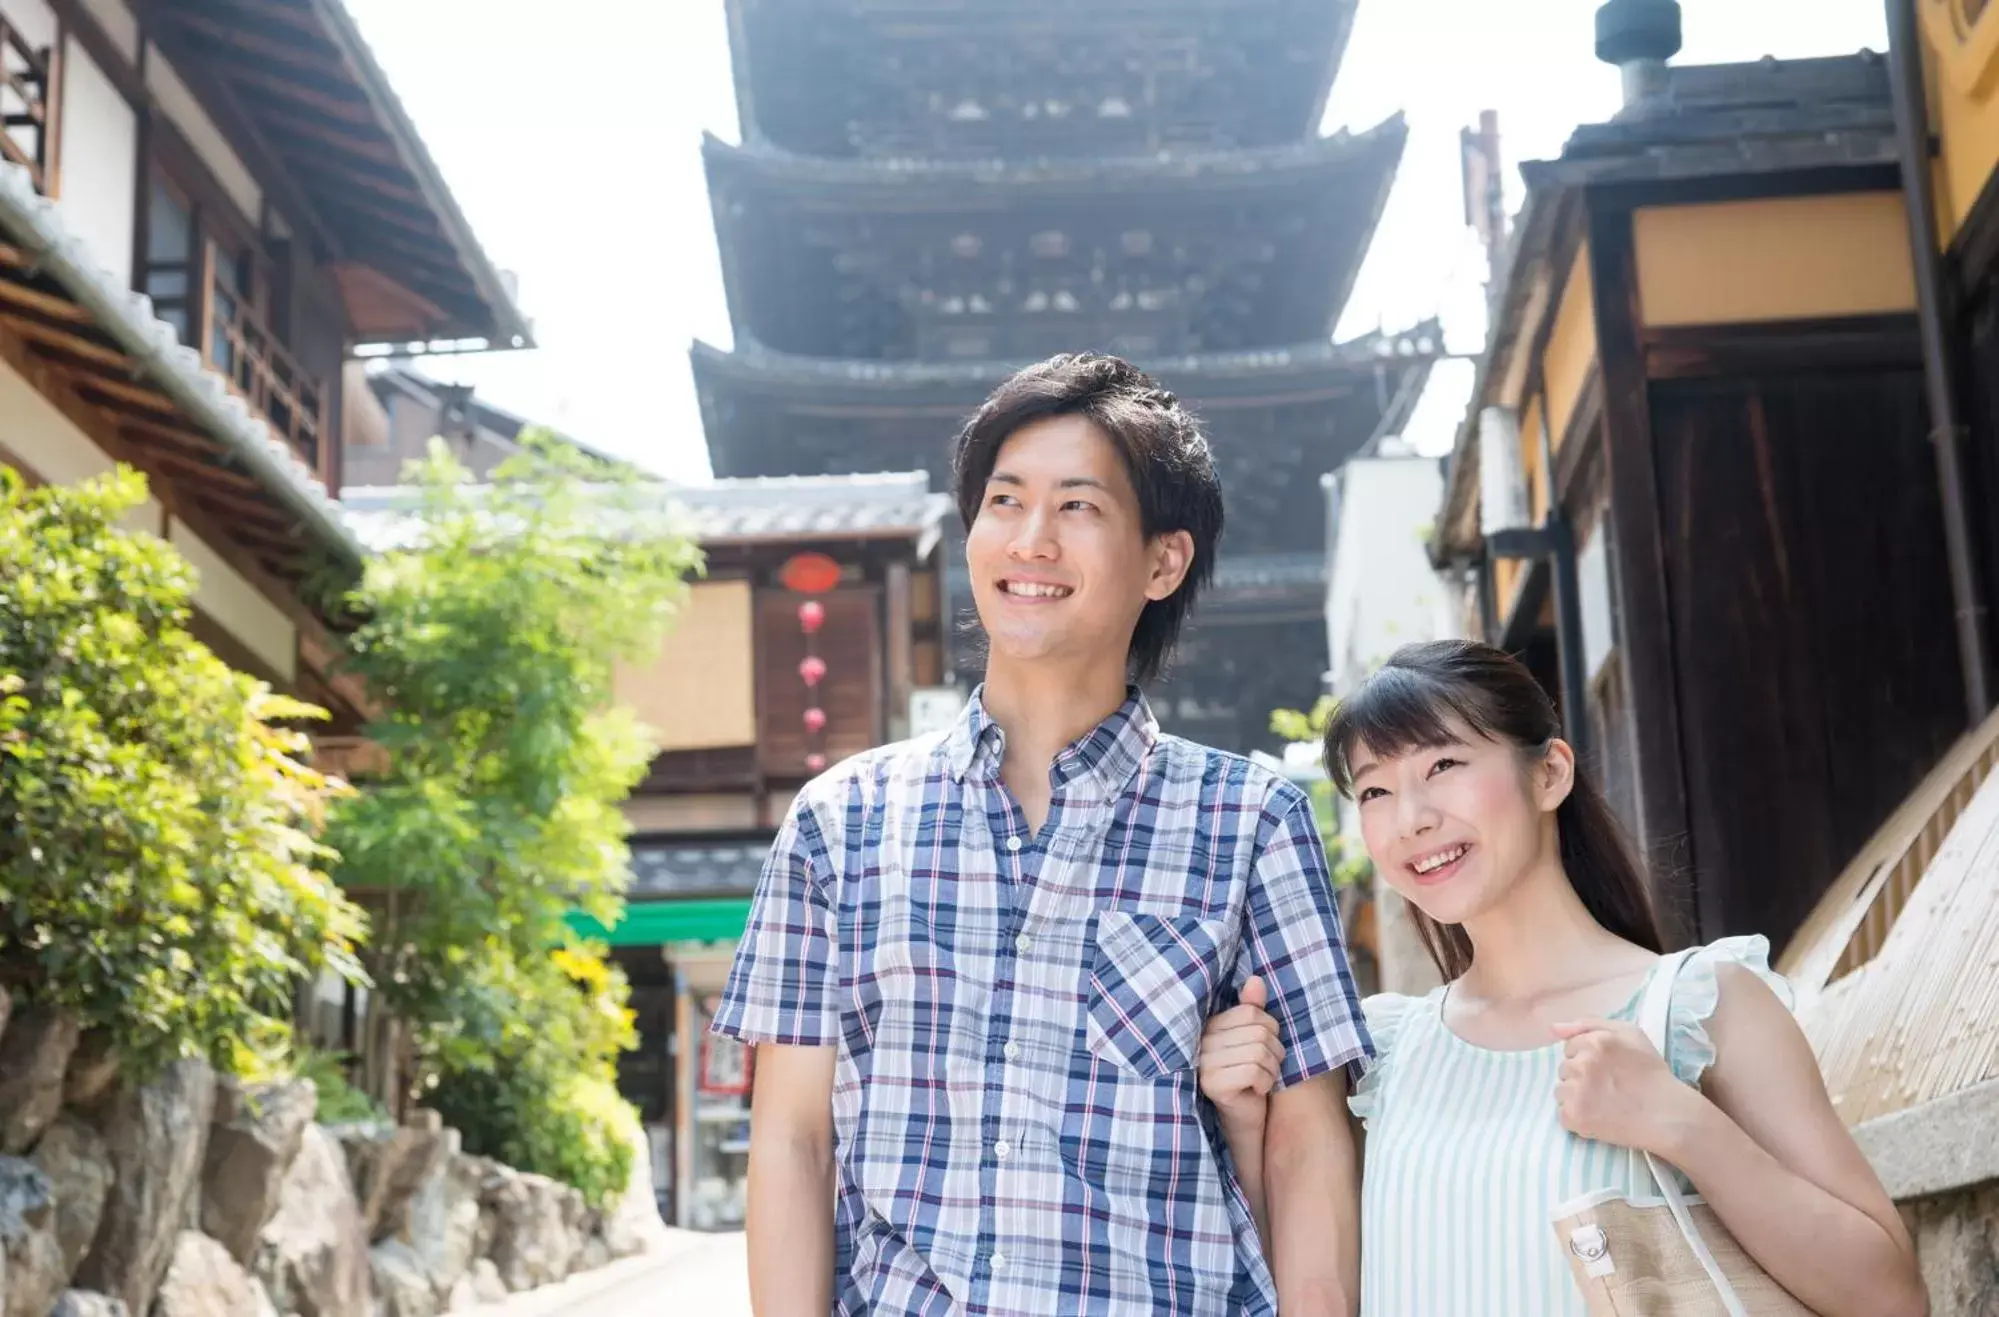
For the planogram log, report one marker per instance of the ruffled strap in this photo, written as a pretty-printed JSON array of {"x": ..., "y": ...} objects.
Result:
[
  {"x": 1697, "y": 992},
  {"x": 1385, "y": 1014}
]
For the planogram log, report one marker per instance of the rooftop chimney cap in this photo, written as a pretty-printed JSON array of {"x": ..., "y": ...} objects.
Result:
[{"x": 1631, "y": 31}]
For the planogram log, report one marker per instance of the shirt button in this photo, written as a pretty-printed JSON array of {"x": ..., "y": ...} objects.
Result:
[
  {"x": 1011, "y": 1051},
  {"x": 1023, "y": 944},
  {"x": 1013, "y": 842},
  {"x": 999, "y": 1262},
  {"x": 1002, "y": 1149}
]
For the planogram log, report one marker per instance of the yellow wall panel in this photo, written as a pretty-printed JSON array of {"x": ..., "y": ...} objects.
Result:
[
  {"x": 1571, "y": 348},
  {"x": 701, "y": 692},
  {"x": 1789, "y": 258}
]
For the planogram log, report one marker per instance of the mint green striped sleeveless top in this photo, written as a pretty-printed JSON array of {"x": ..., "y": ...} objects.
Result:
[{"x": 1466, "y": 1159}]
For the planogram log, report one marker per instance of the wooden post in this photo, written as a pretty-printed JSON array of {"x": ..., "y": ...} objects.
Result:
[
  {"x": 901, "y": 651},
  {"x": 201, "y": 318},
  {"x": 51, "y": 139},
  {"x": 687, "y": 1055},
  {"x": 1645, "y": 633}
]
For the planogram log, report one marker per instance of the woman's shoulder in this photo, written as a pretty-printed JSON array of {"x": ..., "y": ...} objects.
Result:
[
  {"x": 1389, "y": 1015},
  {"x": 1722, "y": 971}
]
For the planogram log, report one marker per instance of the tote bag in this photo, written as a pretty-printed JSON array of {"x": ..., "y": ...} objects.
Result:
[{"x": 1636, "y": 1255}]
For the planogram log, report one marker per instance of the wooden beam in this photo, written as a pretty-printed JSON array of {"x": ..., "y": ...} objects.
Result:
[
  {"x": 1843, "y": 343},
  {"x": 66, "y": 341},
  {"x": 1645, "y": 631},
  {"x": 375, "y": 150},
  {"x": 344, "y": 177},
  {"x": 261, "y": 13},
  {"x": 263, "y": 49},
  {"x": 406, "y": 221},
  {"x": 150, "y": 399},
  {"x": 33, "y": 299},
  {"x": 183, "y": 466},
  {"x": 271, "y": 84}
]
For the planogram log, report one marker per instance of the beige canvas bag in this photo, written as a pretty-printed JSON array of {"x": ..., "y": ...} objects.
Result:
[{"x": 1634, "y": 1255}]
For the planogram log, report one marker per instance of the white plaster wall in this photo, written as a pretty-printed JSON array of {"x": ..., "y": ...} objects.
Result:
[
  {"x": 237, "y": 606},
  {"x": 55, "y": 451},
  {"x": 1384, "y": 593},
  {"x": 33, "y": 19},
  {"x": 209, "y": 144},
  {"x": 100, "y": 163}
]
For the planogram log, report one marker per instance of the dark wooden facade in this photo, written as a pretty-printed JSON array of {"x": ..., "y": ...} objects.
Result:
[
  {"x": 983, "y": 185},
  {"x": 1765, "y": 638}
]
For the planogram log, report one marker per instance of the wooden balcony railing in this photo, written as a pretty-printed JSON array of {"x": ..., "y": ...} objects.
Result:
[
  {"x": 29, "y": 96},
  {"x": 239, "y": 345}
]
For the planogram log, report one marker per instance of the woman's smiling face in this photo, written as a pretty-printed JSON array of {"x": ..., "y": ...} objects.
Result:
[{"x": 1451, "y": 826}]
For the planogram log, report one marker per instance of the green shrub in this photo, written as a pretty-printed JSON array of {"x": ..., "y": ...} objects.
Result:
[
  {"x": 159, "y": 874},
  {"x": 492, "y": 639},
  {"x": 340, "y": 1103}
]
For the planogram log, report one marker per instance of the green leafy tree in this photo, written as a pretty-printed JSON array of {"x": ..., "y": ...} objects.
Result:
[
  {"x": 1350, "y": 864},
  {"x": 491, "y": 640},
  {"x": 159, "y": 873}
]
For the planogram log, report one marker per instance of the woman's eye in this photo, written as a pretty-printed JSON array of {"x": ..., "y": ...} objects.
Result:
[
  {"x": 1371, "y": 793},
  {"x": 1077, "y": 505},
  {"x": 1441, "y": 765}
]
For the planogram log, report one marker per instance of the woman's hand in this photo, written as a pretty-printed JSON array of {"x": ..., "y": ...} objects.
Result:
[
  {"x": 1616, "y": 1089},
  {"x": 1240, "y": 1057}
]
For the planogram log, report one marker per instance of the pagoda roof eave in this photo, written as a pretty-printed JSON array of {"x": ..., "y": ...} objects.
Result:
[
  {"x": 976, "y": 182},
  {"x": 1297, "y": 368},
  {"x": 744, "y": 61}
]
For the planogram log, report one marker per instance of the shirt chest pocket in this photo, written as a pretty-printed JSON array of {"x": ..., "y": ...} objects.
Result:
[{"x": 1152, "y": 979}]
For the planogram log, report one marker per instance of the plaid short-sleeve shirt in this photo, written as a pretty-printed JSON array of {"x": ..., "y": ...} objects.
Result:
[{"x": 1017, "y": 1120}]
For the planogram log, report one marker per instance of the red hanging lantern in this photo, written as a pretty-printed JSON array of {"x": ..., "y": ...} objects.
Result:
[
  {"x": 815, "y": 762},
  {"x": 812, "y": 670},
  {"x": 811, "y": 616},
  {"x": 815, "y": 720},
  {"x": 809, "y": 573}
]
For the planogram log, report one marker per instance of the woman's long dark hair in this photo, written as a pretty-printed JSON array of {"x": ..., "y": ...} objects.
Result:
[{"x": 1411, "y": 703}]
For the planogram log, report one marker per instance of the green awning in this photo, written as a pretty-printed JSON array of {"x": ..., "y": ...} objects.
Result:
[{"x": 656, "y": 923}]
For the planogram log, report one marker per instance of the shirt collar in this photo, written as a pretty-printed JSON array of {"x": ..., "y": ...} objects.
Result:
[{"x": 1105, "y": 757}]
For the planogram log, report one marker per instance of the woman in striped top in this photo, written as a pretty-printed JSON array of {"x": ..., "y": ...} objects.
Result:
[{"x": 1516, "y": 1086}]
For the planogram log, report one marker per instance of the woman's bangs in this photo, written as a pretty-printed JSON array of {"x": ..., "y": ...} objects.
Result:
[{"x": 1394, "y": 712}]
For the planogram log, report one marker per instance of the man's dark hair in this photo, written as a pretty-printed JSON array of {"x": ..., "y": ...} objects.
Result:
[{"x": 1164, "y": 452}]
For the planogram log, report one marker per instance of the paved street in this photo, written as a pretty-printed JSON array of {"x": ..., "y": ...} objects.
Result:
[{"x": 694, "y": 1274}]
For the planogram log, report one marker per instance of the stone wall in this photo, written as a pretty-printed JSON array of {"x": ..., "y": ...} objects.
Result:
[
  {"x": 1940, "y": 1162},
  {"x": 192, "y": 1196}
]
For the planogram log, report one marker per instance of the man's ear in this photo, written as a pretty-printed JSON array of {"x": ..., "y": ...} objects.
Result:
[{"x": 1172, "y": 559}]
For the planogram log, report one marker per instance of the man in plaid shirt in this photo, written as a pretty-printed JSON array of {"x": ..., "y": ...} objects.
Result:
[{"x": 978, "y": 964}]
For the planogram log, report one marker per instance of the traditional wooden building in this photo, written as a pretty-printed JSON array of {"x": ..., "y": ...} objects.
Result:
[
  {"x": 923, "y": 202},
  {"x": 1712, "y": 514},
  {"x": 205, "y": 209},
  {"x": 1727, "y": 483}
]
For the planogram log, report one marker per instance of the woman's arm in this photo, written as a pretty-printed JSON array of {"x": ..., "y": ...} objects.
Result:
[
  {"x": 1762, "y": 1144},
  {"x": 1240, "y": 1060}
]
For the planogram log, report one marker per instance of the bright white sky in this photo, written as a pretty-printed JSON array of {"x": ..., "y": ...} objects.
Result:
[{"x": 571, "y": 137}]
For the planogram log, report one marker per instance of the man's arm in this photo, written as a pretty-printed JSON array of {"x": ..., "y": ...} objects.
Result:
[
  {"x": 1292, "y": 940},
  {"x": 791, "y": 1182},
  {"x": 1313, "y": 1183},
  {"x": 781, "y": 998}
]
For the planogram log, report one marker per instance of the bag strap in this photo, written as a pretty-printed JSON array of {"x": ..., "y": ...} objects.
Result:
[{"x": 1655, "y": 1010}]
